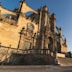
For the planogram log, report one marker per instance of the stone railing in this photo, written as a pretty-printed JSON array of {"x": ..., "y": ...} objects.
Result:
[{"x": 24, "y": 51}]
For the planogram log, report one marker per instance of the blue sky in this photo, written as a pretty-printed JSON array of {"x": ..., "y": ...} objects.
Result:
[{"x": 62, "y": 9}]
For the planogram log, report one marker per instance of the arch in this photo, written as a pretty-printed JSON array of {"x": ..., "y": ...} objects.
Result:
[
  {"x": 28, "y": 13},
  {"x": 50, "y": 44}
]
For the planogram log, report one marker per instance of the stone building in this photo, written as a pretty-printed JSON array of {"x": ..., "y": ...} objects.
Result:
[{"x": 21, "y": 32}]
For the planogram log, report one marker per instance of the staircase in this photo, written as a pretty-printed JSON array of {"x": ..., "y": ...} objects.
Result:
[{"x": 65, "y": 61}]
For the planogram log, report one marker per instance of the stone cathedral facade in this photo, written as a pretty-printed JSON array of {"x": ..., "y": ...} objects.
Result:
[{"x": 21, "y": 32}]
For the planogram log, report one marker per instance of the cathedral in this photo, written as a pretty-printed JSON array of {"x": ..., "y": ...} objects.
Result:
[{"x": 27, "y": 31}]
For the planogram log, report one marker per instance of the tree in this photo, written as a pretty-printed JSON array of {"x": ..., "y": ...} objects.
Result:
[{"x": 69, "y": 54}]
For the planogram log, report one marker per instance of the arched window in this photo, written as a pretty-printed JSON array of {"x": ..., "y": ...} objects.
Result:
[
  {"x": 50, "y": 45},
  {"x": 30, "y": 28}
]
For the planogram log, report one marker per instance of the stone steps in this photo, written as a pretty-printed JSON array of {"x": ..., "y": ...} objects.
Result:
[{"x": 65, "y": 61}]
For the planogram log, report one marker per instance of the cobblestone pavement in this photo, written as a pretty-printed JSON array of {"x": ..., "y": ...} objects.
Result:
[{"x": 35, "y": 69}]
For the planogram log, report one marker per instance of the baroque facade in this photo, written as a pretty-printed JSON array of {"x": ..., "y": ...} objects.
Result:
[{"x": 34, "y": 33}]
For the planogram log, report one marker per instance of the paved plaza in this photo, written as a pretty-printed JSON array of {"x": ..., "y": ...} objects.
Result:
[{"x": 35, "y": 69}]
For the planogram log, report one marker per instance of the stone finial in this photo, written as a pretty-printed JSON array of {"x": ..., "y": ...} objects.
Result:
[
  {"x": 45, "y": 8},
  {"x": 53, "y": 15},
  {"x": 60, "y": 28}
]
